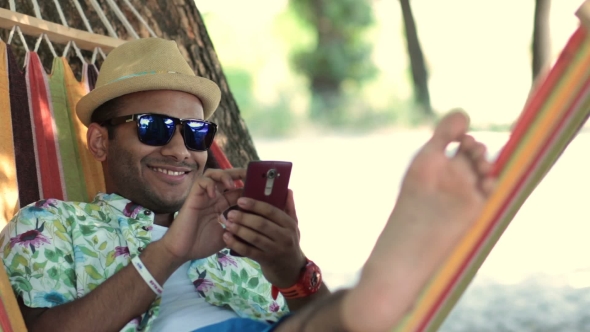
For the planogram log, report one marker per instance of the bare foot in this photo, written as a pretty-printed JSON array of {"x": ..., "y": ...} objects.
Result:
[{"x": 439, "y": 200}]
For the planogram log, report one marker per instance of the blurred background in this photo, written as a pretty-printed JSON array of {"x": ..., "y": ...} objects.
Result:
[{"x": 333, "y": 87}]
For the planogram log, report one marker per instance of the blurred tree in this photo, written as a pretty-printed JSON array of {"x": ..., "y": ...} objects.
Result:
[
  {"x": 341, "y": 52},
  {"x": 178, "y": 20},
  {"x": 541, "y": 38},
  {"x": 419, "y": 72}
]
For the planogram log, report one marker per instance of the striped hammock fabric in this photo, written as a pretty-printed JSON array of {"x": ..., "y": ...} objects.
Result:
[
  {"x": 553, "y": 115},
  {"x": 43, "y": 151}
]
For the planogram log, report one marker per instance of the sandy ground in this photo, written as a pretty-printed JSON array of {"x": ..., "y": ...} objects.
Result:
[{"x": 537, "y": 278}]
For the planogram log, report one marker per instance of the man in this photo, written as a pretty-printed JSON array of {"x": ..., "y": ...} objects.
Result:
[
  {"x": 439, "y": 200},
  {"x": 100, "y": 266}
]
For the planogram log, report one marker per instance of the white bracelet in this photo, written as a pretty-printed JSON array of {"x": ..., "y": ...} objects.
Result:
[{"x": 146, "y": 275}]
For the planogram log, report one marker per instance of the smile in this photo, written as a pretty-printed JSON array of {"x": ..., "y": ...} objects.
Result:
[{"x": 167, "y": 171}]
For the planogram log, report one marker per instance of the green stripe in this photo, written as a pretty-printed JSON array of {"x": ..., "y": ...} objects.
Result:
[{"x": 67, "y": 149}]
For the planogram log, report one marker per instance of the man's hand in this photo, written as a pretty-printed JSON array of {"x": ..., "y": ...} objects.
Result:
[
  {"x": 269, "y": 236},
  {"x": 196, "y": 233}
]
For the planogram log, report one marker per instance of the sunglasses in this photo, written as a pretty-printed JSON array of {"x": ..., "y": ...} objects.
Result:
[{"x": 158, "y": 130}]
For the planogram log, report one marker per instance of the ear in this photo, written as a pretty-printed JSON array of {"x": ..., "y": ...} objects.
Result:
[{"x": 98, "y": 141}]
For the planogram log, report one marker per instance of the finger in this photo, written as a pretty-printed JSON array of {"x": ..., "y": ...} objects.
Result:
[
  {"x": 240, "y": 247},
  {"x": 290, "y": 206},
  {"x": 450, "y": 129},
  {"x": 226, "y": 175},
  {"x": 257, "y": 224},
  {"x": 233, "y": 195},
  {"x": 205, "y": 185},
  {"x": 224, "y": 179},
  {"x": 266, "y": 210},
  {"x": 251, "y": 237}
]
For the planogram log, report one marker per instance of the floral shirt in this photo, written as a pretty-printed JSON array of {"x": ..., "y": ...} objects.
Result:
[{"x": 55, "y": 252}]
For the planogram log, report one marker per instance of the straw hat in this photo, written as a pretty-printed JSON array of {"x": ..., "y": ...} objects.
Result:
[{"x": 142, "y": 65}]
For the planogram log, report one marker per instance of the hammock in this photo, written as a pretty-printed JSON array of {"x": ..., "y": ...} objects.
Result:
[
  {"x": 43, "y": 150},
  {"x": 44, "y": 129}
]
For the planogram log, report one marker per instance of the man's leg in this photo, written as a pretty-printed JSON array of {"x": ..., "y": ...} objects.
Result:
[{"x": 439, "y": 200}]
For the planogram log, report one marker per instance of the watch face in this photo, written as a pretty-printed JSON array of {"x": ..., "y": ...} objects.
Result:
[{"x": 313, "y": 278}]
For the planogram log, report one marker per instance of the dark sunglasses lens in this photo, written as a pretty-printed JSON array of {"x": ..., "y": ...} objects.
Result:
[
  {"x": 198, "y": 135},
  {"x": 155, "y": 130}
]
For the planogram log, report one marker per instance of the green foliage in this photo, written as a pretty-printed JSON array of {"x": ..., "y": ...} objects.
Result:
[
  {"x": 340, "y": 53},
  {"x": 272, "y": 120}
]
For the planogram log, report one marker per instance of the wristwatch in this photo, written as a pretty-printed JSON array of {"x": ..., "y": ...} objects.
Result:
[{"x": 309, "y": 283}]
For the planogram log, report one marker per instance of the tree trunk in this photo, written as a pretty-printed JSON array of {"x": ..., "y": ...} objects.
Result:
[
  {"x": 541, "y": 38},
  {"x": 419, "y": 73},
  {"x": 178, "y": 20}
]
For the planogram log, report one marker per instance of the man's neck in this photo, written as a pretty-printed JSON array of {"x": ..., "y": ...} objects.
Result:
[{"x": 163, "y": 219}]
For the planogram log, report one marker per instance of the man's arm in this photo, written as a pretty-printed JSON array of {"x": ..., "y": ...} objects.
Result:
[
  {"x": 111, "y": 305},
  {"x": 297, "y": 304}
]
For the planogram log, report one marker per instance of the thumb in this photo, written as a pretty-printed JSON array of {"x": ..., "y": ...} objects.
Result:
[{"x": 290, "y": 206}]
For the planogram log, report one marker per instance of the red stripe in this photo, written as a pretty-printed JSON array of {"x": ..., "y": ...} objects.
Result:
[
  {"x": 532, "y": 109},
  {"x": 5, "y": 322},
  {"x": 44, "y": 130},
  {"x": 505, "y": 205},
  {"x": 220, "y": 156},
  {"x": 223, "y": 161}
]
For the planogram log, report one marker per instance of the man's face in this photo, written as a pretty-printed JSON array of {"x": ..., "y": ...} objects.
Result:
[{"x": 149, "y": 175}]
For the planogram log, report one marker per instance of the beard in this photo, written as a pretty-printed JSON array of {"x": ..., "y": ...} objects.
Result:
[{"x": 129, "y": 183}]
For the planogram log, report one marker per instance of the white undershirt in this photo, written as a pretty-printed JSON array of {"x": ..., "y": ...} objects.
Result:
[{"x": 182, "y": 309}]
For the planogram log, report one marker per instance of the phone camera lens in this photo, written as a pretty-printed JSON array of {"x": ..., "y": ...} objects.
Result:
[{"x": 272, "y": 174}]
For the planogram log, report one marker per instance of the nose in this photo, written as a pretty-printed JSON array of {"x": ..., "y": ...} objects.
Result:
[{"x": 176, "y": 148}]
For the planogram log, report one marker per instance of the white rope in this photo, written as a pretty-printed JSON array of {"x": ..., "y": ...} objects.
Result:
[
  {"x": 22, "y": 37},
  {"x": 122, "y": 18},
  {"x": 11, "y": 5},
  {"x": 61, "y": 14},
  {"x": 104, "y": 56},
  {"x": 103, "y": 18},
  {"x": 11, "y": 34},
  {"x": 84, "y": 18},
  {"x": 76, "y": 49},
  {"x": 44, "y": 37},
  {"x": 78, "y": 52},
  {"x": 94, "y": 53},
  {"x": 140, "y": 18},
  {"x": 36, "y": 8},
  {"x": 67, "y": 49},
  {"x": 49, "y": 44},
  {"x": 97, "y": 50}
]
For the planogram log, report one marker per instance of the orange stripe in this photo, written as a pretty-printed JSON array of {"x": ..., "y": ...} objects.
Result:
[{"x": 8, "y": 183}]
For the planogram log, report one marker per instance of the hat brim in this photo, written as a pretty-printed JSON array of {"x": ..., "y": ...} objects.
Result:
[{"x": 204, "y": 89}]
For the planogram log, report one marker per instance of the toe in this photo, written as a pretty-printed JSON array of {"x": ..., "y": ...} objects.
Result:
[
  {"x": 466, "y": 146},
  {"x": 487, "y": 186},
  {"x": 450, "y": 129},
  {"x": 483, "y": 167},
  {"x": 478, "y": 152}
]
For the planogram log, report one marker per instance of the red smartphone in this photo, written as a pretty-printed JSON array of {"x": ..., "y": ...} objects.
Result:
[{"x": 267, "y": 181}]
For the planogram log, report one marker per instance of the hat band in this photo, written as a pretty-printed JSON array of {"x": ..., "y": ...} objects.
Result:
[{"x": 144, "y": 73}]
